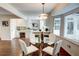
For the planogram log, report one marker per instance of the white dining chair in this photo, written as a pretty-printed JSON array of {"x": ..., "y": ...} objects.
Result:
[
  {"x": 52, "y": 39},
  {"x": 27, "y": 50},
  {"x": 53, "y": 50}
]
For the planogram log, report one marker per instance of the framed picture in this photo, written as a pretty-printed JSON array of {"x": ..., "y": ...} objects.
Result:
[
  {"x": 36, "y": 25},
  {"x": 21, "y": 28},
  {"x": 5, "y": 23}
]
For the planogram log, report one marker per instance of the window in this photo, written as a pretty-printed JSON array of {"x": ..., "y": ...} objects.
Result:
[
  {"x": 57, "y": 26},
  {"x": 70, "y": 28}
]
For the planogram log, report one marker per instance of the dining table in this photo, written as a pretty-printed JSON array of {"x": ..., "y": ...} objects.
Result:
[{"x": 41, "y": 45}]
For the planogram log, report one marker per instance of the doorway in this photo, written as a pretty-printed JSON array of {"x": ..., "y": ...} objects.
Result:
[{"x": 22, "y": 34}]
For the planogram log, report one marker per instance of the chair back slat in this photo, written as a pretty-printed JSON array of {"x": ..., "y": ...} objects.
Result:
[
  {"x": 23, "y": 46},
  {"x": 57, "y": 47},
  {"x": 52, "y": 38}
]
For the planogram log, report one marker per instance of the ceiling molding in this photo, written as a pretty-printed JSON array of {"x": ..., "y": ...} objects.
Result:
[
  {"x": 66, "y": 9},
  {"x": 11, "y": 9}
]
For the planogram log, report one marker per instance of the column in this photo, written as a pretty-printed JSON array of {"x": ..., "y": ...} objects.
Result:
[{"x": 62, "y": 26}]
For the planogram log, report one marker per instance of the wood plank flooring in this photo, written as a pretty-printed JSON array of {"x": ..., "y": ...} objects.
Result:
[{"x": 8, "y": 49}]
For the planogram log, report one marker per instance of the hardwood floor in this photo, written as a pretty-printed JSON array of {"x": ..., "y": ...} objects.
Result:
[
  {"x": 9, "y": 48},
  {"x": 3, "y": 45}
]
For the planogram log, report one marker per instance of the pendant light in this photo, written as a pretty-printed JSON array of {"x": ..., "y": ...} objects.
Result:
[{"x": 43, "y": 15}]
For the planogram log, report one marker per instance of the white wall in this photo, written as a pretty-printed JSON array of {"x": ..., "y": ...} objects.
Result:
[
  {"x": 14, "y": 24},
  {"x": 50, "y": 23},
  {"x": 5, "y": 31},
  {"x": 32, "y": 36},
  {"x": 13, "y": 28}
]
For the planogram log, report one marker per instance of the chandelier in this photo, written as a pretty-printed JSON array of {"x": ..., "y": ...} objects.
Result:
[{"x": 43, "y": 15}]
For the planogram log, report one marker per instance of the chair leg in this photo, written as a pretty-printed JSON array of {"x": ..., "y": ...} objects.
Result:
[
  {"x": 23, "y": 54},
  {"x": 58, "y": 54}
]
